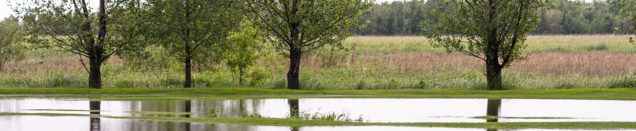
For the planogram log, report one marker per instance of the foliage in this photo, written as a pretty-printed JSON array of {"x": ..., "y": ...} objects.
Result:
[
  {"x": 192, "y": 29},
  {"x": 213, "y": 113},
  {"x": 629, "y": 11},
  {"x": 557, "y": 17},
  {"x": 11, "y": 48},
  {"x": 200, "y": 25},
  {"x": 625, "y": 82},
  {"x": 488, "y": 30},
  {"x": 244, "y": 49},
  {"x": 319, "y": 22}
]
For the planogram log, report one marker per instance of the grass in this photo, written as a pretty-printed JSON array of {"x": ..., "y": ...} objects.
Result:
[
  {"x": 253, "y": 93},
  {"x": 297, "y": 122},
  {"x": 553, "y": 62}
]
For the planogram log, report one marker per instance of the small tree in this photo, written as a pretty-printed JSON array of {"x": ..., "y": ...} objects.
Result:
[
  {"x": 300, "y": 26},
  {"x": 186, "y": 27},
  {"x": 244, "y": 49},
  {"x": 72, "y": 26},
  {"x": 10, "y": 37},
  {"x": 491, "y": 30}
]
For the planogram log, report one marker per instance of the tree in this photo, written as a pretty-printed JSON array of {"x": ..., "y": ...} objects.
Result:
[
  {"x": 244, "y": 50},
  {"x": 553, "y": 19},
  {"x": 629, "y": 11},
  {"x": 10, "y": 37},
  {"x": 300, "y": 26},
  {"x": 187, "y": 27},
  {"x": 491, "y": 30},
  {"x": 72, "y": 26}
]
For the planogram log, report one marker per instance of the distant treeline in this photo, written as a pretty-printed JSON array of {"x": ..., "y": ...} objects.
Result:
[{"x": 557, "y": 17}]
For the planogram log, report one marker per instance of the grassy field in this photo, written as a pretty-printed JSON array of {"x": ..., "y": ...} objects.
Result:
[{"x": 553, "y": 62}]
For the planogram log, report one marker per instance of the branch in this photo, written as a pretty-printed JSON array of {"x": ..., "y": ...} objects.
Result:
[
  {"x": 84, "y": 65},
  {"x": 515, "y": 36}
]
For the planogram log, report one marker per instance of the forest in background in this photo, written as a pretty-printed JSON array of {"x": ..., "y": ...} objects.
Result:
[{"x": 557, "y": 17}]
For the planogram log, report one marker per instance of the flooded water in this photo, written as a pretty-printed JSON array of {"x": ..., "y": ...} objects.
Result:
[{"x": 365, "y": 110}]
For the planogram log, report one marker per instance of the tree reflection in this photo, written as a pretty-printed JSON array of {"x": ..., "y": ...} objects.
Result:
[
  {"x": 95, "y": 107},
  {"x": 188, "y": 109},
  {"x": 493, "y": 109},
  {"x": 293, "y": 107}
]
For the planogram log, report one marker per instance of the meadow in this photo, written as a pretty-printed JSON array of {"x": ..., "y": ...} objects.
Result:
[{"x": 368, "y": 62}]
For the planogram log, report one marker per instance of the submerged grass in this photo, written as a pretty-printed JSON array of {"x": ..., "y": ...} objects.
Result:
[
  {"x": 254, "y": 93},
  {"x": 297, "y": 122},
  {"x": 497, "y": 117}
]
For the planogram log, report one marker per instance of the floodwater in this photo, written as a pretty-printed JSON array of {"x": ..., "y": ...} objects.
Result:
[{"x": 354, "y": 109}]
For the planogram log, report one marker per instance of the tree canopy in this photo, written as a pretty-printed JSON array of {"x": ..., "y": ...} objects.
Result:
[
  {"x": 557, "y": 17},
  {"x": 491, "y": 30},
  {"x": 11, "y": 47},
  {"x": 192, "y": 28}
]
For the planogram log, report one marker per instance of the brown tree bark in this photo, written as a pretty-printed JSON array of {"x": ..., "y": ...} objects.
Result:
[
  {"x": 493, "y": 68},
  {"x": 293, "y": 81},
  {"x": 94, "y": 74},
  {"x": 295, "y": 50},
  {"x": 188, "y": 67},
  {"x": 96, "y": 50},
  {"x": 493, "y": 76}
]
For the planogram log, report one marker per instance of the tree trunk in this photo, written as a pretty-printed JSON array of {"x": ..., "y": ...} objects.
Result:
[
  {"x": 94, "y": 74},
  {"x": 293, "y": 81},
  {"x": 493, "y": 76},
  {"x": 188, "y": 68},
  {"x": 240, "y": 77}
]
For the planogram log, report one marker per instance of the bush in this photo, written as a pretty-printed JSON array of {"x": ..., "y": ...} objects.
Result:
[
  {"x": 625, "y": 82},
  {"x": 258, "y": 76}
]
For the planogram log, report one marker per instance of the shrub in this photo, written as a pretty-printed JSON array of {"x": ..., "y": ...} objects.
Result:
[
  {"x": 625, "y": 82},
  {"x": 258, "y": 76}
]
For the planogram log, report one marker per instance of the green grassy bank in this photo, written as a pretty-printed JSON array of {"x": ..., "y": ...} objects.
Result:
[{"x": 249, "y": 93}]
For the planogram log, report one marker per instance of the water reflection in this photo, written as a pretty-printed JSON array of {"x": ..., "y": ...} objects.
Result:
[
  {"x": 293, "y": 108},
  {"x": 188, "y": 106},
  {"x": 371, "y": 110},
  {"x": 94, "y": 109},
  {"x": 493, "y": 109}
]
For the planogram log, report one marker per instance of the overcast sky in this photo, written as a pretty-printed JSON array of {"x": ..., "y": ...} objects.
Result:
[{"x": 5, "y": 11}]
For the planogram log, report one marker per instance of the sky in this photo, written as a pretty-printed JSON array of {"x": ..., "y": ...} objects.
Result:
[{"x": 5, "y": 11}]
